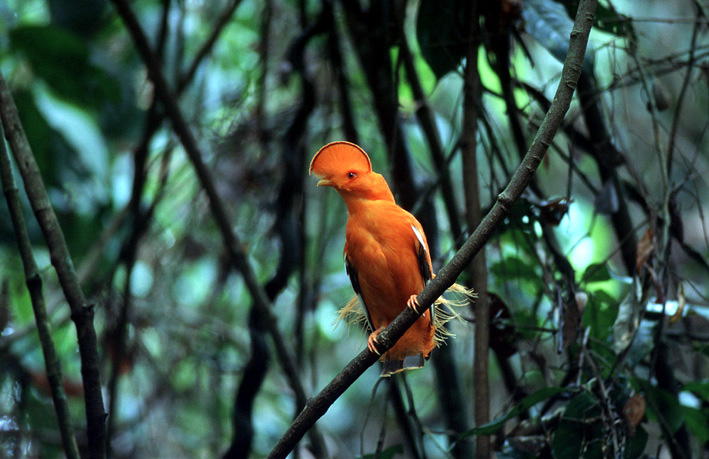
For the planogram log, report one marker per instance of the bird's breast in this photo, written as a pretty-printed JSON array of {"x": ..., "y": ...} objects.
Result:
[{"x": 382, "y": 250}]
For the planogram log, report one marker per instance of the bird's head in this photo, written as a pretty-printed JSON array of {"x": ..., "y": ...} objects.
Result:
[{"x": 347, "y": 168}]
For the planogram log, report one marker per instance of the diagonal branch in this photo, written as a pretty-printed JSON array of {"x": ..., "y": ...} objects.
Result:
[
  {"x": 82, "y": 313},
  {"x": 319, "y": 404},
  {"x": 207, "y": 46}
]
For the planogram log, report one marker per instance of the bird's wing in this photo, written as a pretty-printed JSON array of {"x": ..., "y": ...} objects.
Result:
[
  {"x": 354, "y": 278},
  {"x": 424, "y": 260}
]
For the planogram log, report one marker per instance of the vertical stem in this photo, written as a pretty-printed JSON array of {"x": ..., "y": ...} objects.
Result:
[
  {"x": 82, "y": 313},
  {"x": 34, "y": 285},
  {"x": 265, "y": 45},
  {"x": 471, "y": 95},
  {"x": 349, "y": 127},
  {"x": 428, "y": 125}
]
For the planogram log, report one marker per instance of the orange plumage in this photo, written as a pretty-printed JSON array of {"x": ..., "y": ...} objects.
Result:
[{"x": 386, "y": 253}]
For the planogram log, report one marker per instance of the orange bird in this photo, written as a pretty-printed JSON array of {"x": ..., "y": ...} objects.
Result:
[{"x": 386, "y": 255}]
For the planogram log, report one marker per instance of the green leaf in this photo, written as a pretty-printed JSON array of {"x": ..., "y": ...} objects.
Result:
[
  {"x": 35, "y": 125},
  {"x": 526, "y": 403},
  {"x": 83, "y": 17},
  {"x": 62, "y": 60},
  {"x": 575, "y": 435},
  {"x": 548, "y": 22},
  {"x": 668, "y": 406},
  {"x": 697, "y": 422},
  {"x": 604, "y": 297},
  {"x": 600, "y": 313},
  {"x": 596, "y": 272},
  {"x": 700, "y": 388},
  {"x": 54, "y": 155},
  {"x": 637, "y": 443},
  {"x": 607, "y": 19},
  {"x": 440, "y": 31},
  {"x": 514, "y": 268}
]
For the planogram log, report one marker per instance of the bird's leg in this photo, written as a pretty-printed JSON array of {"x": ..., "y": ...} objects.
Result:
[{"x": 372, "y": 340}]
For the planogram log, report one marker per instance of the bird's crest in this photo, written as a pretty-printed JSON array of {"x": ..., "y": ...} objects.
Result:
[{"x": 336, "y": 156}]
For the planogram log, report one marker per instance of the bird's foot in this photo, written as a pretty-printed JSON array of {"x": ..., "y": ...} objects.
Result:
[
  {"x": 372, "y": 341},
  {"x": 412, "y": 302}
]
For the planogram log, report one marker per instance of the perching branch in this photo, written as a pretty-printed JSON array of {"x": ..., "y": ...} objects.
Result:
[
  {"x": 317, "y": 406},
  {"x": 82, "y": 313},
  {"x": 34, "y": 286}
]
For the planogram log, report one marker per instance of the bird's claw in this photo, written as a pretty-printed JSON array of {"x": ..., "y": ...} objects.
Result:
[
  {"x": 372, "y": 341},
  {"x": 412, "y": 302}
]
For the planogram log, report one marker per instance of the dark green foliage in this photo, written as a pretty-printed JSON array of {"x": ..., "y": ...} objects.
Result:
[
  {"x": 388, "y": 453},
  {"x": 527, "y": 403},
  {"x": 63, "y": 61},
  {"x": 608, "y": 19},
  {"x": 580, "y": 431},
  {"x": 596, "y": 272},
  {"x": 441, "y": 33},
  {"x": 664, "y": 407}
]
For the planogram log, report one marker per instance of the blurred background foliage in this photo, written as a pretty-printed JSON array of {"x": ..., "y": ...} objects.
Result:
[{"x": 598, "y": 278}]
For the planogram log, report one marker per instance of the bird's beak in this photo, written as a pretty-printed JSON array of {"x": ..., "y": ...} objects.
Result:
[{"x": 324, "y": 182}]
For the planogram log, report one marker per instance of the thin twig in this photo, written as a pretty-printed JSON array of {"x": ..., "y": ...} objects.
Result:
[
  {"x": 680, "y": 99},
  {"x": 207, "y": 46},
  {"x": 319, "y": 404}
]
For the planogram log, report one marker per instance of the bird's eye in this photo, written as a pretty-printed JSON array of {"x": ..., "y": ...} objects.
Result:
[{"x": 351, "y": 175}]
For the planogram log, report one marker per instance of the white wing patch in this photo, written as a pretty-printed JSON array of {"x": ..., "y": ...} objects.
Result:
[
  {"x": 419, "y": 236},
  {"x": 422, "y": 254}
]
